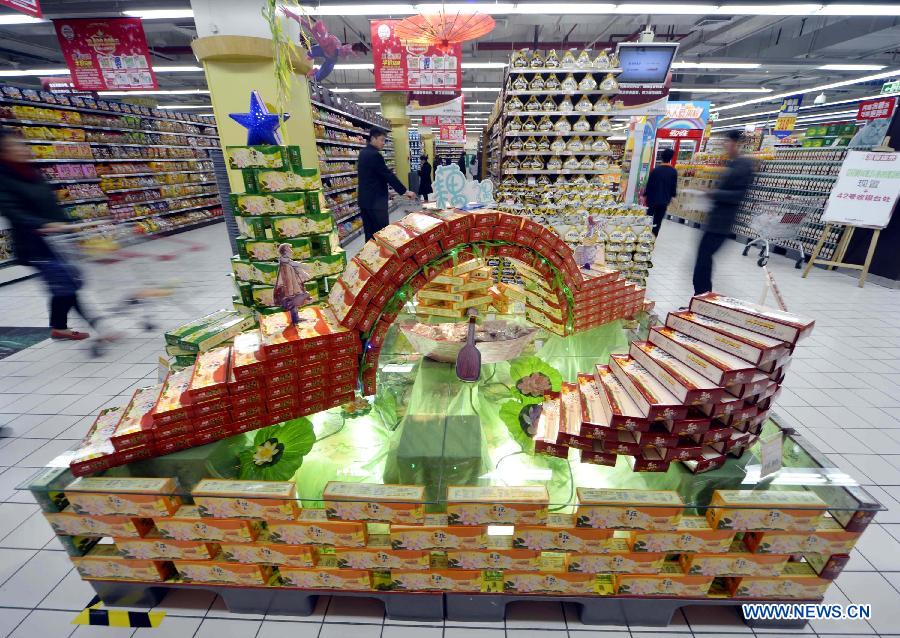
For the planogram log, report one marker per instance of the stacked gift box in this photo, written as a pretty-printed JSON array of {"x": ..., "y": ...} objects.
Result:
[
  {"x": 274, "y": 373},
  {"x": 453, "y": 292},
  {"x": 743, "y": 544},
  {"x": 185, "y": 342},
  {"x": 698, "y": 389},
  {"x": 283, "y": 204}
]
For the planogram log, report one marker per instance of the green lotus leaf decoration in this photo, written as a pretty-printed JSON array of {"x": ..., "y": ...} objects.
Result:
[
  {"x": 521, "y": 420},
  {"x": 532, "y": 378},
  {"x": 276, "y": 452}
]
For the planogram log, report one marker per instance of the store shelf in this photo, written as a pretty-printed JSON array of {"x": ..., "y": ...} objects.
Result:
[
  {"x": 339, "y": 189},
  {"x": 339, "y": 143},
  {"x": 346, "y": 158},
  {"x": 151, "y": 173},
  {"x": 150, "y": 159},
  {"x": 558, "y": 172},
  {"x": 559, "y": 134},
  {"x": 85, "y": 180},
  {"x": 324, "y": 175},
  {"x": 566, "y": 93},
  {"x": 764, "y": 174},
  {"x": 65, "y": 107},
  {"x": 85, "y": 200},
  {"x": 562, "y": 153},
  {"x": 349, "y": 238},
  {"x": 559, "y": 113},
  {"x": 156, "y": 186},
  {"x": 157, "y": 214},
  {"x": 147, "y": 145},
  {"x": 163, "y": 199},
  {"x": 348, "y": 216},
  {"x": 339, "y": 127},
  {"x": 346, "y": 114},
  {"x": 92, "y": 127},
  {"x": 514, "y": 71}
]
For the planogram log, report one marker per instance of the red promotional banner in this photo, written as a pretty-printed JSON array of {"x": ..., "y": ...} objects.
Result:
[
  {"x": 28, "y": 7},
  {"x": 407, "y": 66},
  {"x": 452, "y": 133},
  {"x": 106, "y": 54},
  {"x": 881, "y": 108}
]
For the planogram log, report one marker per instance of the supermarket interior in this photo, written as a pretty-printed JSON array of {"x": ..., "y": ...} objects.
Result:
[{"x": 457, "y": 320}]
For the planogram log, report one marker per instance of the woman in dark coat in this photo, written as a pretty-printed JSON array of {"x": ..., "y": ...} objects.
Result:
[
  {"x": 425, "y": 178},
  {"x": 29, "y": 203}
]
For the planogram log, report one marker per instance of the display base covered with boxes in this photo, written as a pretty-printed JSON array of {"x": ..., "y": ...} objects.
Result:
[{"x": 440, "y": 497}]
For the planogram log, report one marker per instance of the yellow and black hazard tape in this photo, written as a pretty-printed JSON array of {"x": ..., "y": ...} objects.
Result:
[{"x": 96, "y": 615}]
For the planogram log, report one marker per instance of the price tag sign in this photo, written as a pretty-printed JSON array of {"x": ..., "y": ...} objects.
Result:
[{"x": 770, "y": 454}]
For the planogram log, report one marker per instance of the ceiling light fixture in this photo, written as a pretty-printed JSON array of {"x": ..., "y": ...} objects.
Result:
[
  {"x": 587, "y": 8},
  {"x": 450, "y": 8},
  {"x": 851, "y": 67},
  {"x": 158, "y": 92},
  {"x": 485, "y": 65},
  {"x": 176, "y": 69},
  {"x": 712, "y": 89},
  {"x": 344, "y": 89},
  {"x": 812, "y": 89},
  {"x": 800, "y": 9},
  {"x": 185, "y": 106},
  {"x": 159, "y": 14},
  {"x": 18, "y": 18},
  {"x": 860, "y": 10},
  {"x": 362, "y": 10},
  {"x": 21, "y": 73},
  {"x": 669, "y": 8},
  {"x": 715, "y": 65}
]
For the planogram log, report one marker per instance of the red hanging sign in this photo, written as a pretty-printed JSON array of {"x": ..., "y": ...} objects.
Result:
[
  {"x": 107, "y": 54},
  {"x": 881, "y": 108},
  {"x": 407, "y": 66},
  {"x": 28, "y": 7},
  {"x": 452, "y": 133}
]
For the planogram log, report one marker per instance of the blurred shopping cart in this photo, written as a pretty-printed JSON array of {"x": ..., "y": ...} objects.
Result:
[
  {"x": 138, "y": 288},
  {"x": 778, "y": 224}
]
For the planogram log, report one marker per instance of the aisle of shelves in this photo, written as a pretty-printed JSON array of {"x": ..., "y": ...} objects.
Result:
[
  {"x": 342, "y": 127},
  {"x": 116, "y": 162}
]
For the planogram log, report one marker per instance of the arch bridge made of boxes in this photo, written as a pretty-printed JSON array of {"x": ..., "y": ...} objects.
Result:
[{"x": 406, "y": 255}]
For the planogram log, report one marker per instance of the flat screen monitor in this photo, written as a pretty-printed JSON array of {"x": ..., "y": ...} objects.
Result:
[{"x": 645, "y": 63}]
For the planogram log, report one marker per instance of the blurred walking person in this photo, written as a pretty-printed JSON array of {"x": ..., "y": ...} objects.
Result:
[{"x": 425, "y": 187}]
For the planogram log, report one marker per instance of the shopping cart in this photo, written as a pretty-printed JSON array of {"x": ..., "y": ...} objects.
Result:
[
  {"x": 96, "y": 246},
  {"x": 778, "y": 224}
]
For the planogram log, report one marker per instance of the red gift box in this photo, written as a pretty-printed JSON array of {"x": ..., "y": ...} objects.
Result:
[
  {"x": 216, "y": 419},
  {"x": 247, "y": 357}
]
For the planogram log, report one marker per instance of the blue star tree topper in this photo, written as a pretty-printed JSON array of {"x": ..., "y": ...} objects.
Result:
[{"x": 262, "y": 126}]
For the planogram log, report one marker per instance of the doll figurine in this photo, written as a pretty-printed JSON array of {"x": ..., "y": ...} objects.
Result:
[{"x": 290, "y": 292}]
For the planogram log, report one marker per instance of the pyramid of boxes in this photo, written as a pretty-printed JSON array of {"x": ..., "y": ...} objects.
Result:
[
  {"x": 698, "y": 389},
  {"x": 283, "y": 204}
]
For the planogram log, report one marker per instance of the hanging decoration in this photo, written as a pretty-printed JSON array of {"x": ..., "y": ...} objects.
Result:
[
  {"x": 276, "y": 452},
  {"x": 445, "y": 28},
  {"x": 327, "y": 46},
  {"x": 262, "y": 126}
]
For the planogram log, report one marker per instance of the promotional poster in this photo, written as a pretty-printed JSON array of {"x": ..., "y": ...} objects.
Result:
[{"x": 402, "y": 66}]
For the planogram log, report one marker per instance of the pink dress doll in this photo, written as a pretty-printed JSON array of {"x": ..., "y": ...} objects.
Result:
[{"x": 290, "y": 292}]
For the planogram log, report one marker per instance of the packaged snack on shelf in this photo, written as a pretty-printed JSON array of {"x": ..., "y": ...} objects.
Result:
[
  {"x": 210, "y": 375},
  {"x": 326, "y": 265},
  {"x": 734, "y": 563},
  {"x": 136, "y": 426},
  {"x": 616, "y": 405},
  {"x": 771, "y": 322},
  {"x": 257, "y": 272},
  {"x": 628, "y": 509},
  {"x": 567, "y": 583},
  {"x": 670, "y": 581},
  {"x": 439, "y": 537},
  {"x": 494, "y": 505},
  {"x": 217, "y": 333},
  {"x": 693, "y": 534},
  {"x": 798, "y": 580},
  {"x": 379, "y": 260},
  {"x": 720, "y": 367},
  {"x": 516, "y": 559},
  {"x": 109, "y": 496},
  {"x": 246, "y": 499},
  {"x": 317, "y": 532},
  {"x": 650, "y": 396},
  {"x": 172, "y": 336},
  {"x": 72, "y": 524},
  {"x": 255, "y": 227},
  {"x": 187, "y": 525},
  {"x": 262, "y": 156},
  {"x": 257, "y": 180},
  {"x": 828, "y": 538},
  {"x": 321, "y": 578},
  {"x": 264, "y": 553},
  {"x": 746, "y": 510},
  {"x": 173, "y": 402},
  {"x": 456, "y": 580},
  {"x": 751, "y": 346},
  {"x": 226, "y": 573},
  {"x": 565, "y": 539},
  {"x": 95, "y": 452},
  {"x": 156, "y": 548},
  {"x": 688, "y": 386},
  {"x": 270, "y": 204},
  {"x": 247, "y": 357},
  {"x": 104, "y": 562},
  {"x": 400, "y": 504},
  {"x": 382, "y": 559},
  {"x": 301, "y": 226},
  {"x": 619, "y": 560},
  {"x": 401, "y": 240}
]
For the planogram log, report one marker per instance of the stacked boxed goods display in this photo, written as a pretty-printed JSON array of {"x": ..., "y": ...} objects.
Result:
[{"x": 282, "y": 205}]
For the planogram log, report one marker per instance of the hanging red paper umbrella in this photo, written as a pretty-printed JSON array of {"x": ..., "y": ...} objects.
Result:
[{"x": 445, "y": 28}]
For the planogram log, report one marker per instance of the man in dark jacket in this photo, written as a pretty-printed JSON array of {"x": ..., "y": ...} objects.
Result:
[
  {"x": 372, "y": 189},
  {"x": 661, "y": 188},
  {"x": 726, "y": 199}
]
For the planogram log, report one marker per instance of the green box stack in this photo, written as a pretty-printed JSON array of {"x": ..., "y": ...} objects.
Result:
[{"x": 283, "y": 203}]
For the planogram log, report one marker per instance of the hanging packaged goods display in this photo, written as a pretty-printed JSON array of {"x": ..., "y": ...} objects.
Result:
[
  {"x": 407, "y": 66},
  {"x": 787, "y": 116},
  {"x": 108, "y": 54}
]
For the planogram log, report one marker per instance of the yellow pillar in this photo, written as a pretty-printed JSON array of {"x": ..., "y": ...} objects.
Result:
[
  {"x": 235, "y": 66},
  {"x": 393, "y": 108}
]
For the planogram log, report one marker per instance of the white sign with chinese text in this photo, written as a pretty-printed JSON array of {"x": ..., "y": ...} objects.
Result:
[{"x": 866, "y": 190}]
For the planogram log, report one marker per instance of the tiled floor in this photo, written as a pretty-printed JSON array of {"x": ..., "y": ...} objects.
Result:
[{"x": 843, "y": 391}]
